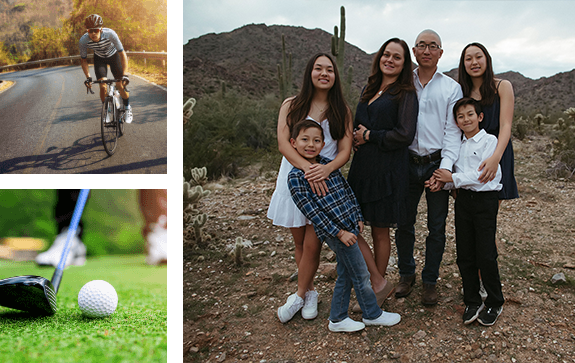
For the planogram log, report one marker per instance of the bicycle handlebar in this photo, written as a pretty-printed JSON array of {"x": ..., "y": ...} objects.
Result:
[{"x": 106, "y": 81}]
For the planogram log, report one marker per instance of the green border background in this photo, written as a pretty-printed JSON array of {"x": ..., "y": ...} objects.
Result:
[{"x": 139, "y": 181}]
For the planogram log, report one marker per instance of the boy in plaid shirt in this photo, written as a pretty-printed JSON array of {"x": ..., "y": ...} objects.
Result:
[{"x": 337, "y": 220}]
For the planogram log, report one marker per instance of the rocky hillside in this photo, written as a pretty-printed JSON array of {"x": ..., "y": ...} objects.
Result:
[{"x": 246, "y": 59}]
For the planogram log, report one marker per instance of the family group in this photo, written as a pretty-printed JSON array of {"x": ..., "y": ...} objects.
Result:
[{"x": 415, "y": 131}]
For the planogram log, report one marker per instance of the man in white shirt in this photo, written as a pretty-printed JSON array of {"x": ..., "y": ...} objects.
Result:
[{"x": 436, "y": 145}]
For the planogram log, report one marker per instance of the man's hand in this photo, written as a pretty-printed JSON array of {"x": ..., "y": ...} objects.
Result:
[
  {"x": 347, "y": 238},
  {"x": 125, "y": 80},
  {"x": 360, "y": 224},
  {"x": 88, "y": 82}
]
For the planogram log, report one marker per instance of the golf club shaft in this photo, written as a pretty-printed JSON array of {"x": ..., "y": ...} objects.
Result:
[{"x": 57, "y": 277}]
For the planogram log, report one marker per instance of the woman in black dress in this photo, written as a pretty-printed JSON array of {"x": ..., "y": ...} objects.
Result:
[
  {"x": 385, "y": 125},
  {"x": 497, "y": 100}
]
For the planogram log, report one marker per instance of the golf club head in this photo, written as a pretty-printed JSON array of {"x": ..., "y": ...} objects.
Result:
[{"x": 34, "y": 294}]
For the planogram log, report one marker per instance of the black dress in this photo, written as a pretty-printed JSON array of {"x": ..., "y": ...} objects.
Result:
[
  {"x": 490, "y": 124},
  {"x": 379, "y": 173}
]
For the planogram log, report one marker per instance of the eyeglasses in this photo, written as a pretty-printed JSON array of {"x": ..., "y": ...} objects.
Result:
[
  {"x": 94, "y": 31},
  {"x": 432, "y": 46}
]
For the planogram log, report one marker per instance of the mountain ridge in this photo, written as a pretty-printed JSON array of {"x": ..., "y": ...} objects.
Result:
[{"x": 246, "y": 59}]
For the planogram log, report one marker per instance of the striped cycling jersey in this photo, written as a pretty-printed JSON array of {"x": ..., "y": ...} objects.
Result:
[{"x": 108, "y": 45}]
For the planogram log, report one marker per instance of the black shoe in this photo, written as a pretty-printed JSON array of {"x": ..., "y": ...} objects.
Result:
[
  {"x": 489, "y": 316},
  {"x": 471, "y": 313}
]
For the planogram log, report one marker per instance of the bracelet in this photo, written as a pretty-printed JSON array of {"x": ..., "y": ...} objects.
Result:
[{"x": 364, "y": 132}]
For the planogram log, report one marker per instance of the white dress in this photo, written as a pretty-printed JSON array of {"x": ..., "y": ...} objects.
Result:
[{"x": 282, "y": 210}]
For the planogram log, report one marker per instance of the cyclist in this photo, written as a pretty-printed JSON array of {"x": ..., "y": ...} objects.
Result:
[{"x": 107, "y": 50}]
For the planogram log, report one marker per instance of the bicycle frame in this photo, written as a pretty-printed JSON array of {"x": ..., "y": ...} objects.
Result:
[{"x": 113, "y": 126}]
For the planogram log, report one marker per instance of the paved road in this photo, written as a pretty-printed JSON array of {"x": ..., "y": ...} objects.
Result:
[{"x": 48, "y": 124}]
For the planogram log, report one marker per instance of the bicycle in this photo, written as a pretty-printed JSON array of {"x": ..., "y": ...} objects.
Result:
[{"x": 112, "y": 119}]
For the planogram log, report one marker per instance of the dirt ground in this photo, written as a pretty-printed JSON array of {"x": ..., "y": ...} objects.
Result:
[{"x": 230, "y": 310}]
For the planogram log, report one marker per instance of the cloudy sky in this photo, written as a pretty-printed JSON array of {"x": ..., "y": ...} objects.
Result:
[{"x": 535, "y": 38}]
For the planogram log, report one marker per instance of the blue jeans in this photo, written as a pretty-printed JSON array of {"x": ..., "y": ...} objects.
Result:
[
  {"x": 351, "y": 270},
  {"x": 437, "y": 208}
]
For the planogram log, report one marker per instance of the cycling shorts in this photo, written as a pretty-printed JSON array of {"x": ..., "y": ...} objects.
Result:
[{"x": 101, "y": 68}]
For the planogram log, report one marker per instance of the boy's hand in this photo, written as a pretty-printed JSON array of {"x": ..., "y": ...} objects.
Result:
[
  {"x": 360, "y": 224},
  {"x": 443, "y": 175},
  {"x": 347, "y": 238}
]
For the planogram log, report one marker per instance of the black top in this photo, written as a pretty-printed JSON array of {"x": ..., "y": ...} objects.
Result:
[
  {"x": 379, "y": 173},
  {"x": 490, "y": 124}
]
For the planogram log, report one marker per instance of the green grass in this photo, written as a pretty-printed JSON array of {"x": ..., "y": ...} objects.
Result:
[
  {"x": 136, "y": 332},
  {"x": 112, "y": 219}
]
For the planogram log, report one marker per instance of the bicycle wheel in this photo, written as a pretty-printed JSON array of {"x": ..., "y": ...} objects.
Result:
[{"x": 109, "y": 129}]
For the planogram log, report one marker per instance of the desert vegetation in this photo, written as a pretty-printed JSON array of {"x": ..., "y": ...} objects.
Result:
[{"x": 36, "y": 29}]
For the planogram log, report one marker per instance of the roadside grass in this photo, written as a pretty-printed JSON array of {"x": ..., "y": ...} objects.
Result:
[{"x": 136, "y": 332}]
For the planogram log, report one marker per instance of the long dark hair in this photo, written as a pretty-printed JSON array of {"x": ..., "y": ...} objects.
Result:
[
  {"x": 337, "y": 110},
  {"x": 487, "y": 89},
  {"x": 404, "y": 82}
]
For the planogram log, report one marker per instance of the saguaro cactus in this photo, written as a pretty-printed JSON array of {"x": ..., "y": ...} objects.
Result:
[
  {"x": 284, "y": 72},
  {"x": 188, "y": 106},
  {"x": 338, "y": 41}
]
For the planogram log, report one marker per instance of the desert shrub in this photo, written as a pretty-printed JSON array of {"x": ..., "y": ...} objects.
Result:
[
  {"x": 520, "y": 128},
  {"x": 229, "y": 132},
  {"x": 563, "y": 164}
]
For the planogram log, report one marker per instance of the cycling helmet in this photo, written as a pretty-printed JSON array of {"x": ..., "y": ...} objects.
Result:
[{"x": 94, "y": 21}]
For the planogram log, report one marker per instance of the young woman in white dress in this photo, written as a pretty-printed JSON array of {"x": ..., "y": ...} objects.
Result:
[{"x": 320, "y": 99}]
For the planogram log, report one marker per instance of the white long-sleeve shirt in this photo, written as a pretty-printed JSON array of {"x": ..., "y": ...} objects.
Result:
[
  {"x": 472, "y": 153},
  {"x": 436, "y": 127}
]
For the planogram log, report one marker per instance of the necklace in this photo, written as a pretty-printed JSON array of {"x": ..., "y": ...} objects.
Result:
[{"x": 320, "y": 109}]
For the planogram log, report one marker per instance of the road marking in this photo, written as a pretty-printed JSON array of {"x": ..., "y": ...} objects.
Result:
[
  {"x": 5, "y": 85},
  {"x": 39, "y": 149}
]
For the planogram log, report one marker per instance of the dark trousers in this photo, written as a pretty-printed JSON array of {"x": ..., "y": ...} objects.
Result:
[
  {"x": 437, "y": 208},
  {"x": 475, "y": 228},
  {"x": 65, "y": 204}
]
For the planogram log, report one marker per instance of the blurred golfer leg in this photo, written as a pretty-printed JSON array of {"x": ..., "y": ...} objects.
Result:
[
  {"x": 154, "y": 207},
  {"x": 66, "y": 201}
]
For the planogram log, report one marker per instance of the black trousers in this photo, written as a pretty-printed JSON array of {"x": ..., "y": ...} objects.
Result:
[
  {"x": 64, "y": 210},
  {"x": 475, "y": 228}
]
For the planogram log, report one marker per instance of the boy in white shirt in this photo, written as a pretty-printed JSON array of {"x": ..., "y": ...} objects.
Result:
[{"x": 476, "y": 208}]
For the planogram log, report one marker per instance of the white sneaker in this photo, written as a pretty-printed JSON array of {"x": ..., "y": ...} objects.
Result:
[
  {"x": 482, "y": 291},
  {"x": 292, "y": 306},
  {"x": 346, "y": 326},
  {"x": 76, "y": 256},
  {"x": 128, "y": 115},
  {"x": 309, "y": 310},
  {"x": 385, "y": 319},
  {"x": 157, "y": 243}
]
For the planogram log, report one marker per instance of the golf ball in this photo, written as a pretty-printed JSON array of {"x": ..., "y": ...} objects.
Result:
[{"x": 97, "y": 299}]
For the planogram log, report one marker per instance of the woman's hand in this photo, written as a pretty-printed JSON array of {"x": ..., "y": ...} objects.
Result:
[
  {"x": 317, "y": 172},
  {"x": 358, "y": 139},
  {"x": 489, "y": 167}
]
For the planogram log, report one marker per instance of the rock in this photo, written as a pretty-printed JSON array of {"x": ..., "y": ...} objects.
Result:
[
  {"x": 245, "y": 218},
  {"x": 293, "y": 276},
  {"x": 194, "y": 350},
  {"x": 222, "y": 357},
  {"x": 273, "y": 253},
  {"x": 328, "y": 269},
  {"x": 200, "y": 258},
  {"x": 419, "y": 335},
  {"x": 330, "y": 256},
  {"x": 560, "y": 277}
]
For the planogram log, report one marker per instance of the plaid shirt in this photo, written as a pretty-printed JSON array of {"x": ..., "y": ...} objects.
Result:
[{"x": 336, "y": 211}]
